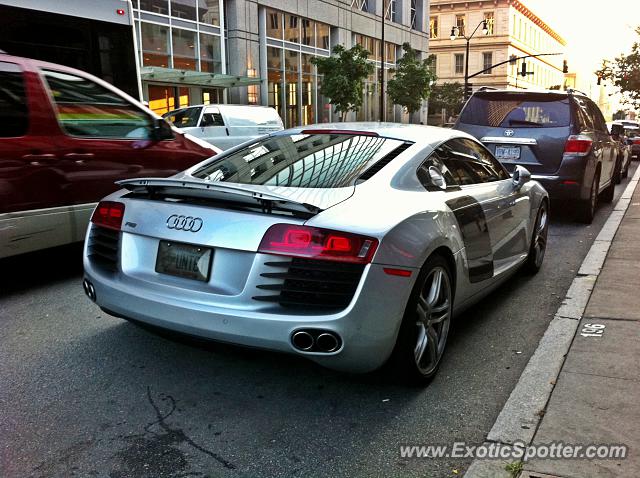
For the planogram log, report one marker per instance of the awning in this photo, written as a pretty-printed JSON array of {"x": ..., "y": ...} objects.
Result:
[{"x": 195, "y": 78}]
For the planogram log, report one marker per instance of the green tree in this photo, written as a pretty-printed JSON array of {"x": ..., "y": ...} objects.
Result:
[
  {"x": 624, "y": 73},
  {"x": 449, "y": 96},
  {"x": 344, "y": 74},
  {"x": 413, "y": 80}
]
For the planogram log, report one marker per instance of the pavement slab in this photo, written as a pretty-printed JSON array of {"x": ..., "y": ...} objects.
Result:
[{"x": 590, "y": 409}]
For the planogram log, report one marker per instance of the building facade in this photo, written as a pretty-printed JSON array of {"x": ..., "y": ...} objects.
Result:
[
  {"x": 260, "y": 51},
  {"x": 513, "y": 30}
]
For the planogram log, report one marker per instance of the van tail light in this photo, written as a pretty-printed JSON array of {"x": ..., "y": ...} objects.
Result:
[
  {"x": 636, "y": 141},
  {"x": 578, "y": 145},
  {"x": 316, "y": 243},
  {"x": 108, "y": 214}
]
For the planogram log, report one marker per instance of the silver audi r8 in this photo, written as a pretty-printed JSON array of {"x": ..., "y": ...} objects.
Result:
[{"x": 352, "y": 244}]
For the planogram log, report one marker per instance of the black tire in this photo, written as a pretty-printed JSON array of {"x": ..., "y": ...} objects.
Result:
[
  {"x": 587, "y": 208},
  {"x": 625, "y": 173},
  {"x": 425, "y": 326},
  {"x": 538, "y": 240},
  {"x": 617, "y": 172},
  {"x": 609, "y": 191}
]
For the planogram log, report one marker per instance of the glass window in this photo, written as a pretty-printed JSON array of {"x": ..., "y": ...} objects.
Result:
[
  {"x": 155, "y": 45},
  {"x": 360, "y": 5},
  {"x": 598, "y": 119},
  {"x": 470, "y": 163},
  {"x": 582, "y": 114},
  {"x": 291, "y": 28},
  {"x": 212, "y": 117},
  {"x": 86, "y": 109},
  {"x": 518, "y": 110},
  {"x": 306, "y": 161},
  {"x": 185, "y": 9},
  {"x": 161, "y": 99},
  {"x": 155, "y": 6},
  {"x": 14, "y": 114},
  {"x": 433, "y": 27},
  {"x": 489, "y": 18},
  {"x": 210, "y": 53},
  {"x": 184, "y": 49},
  {"x": 211, "y": 96},
  {"x": 250, "y": 116},
  {"x": 487, "y": 61},
  {"x": 308, "y": 32},
  {"x": 414, "y": 15},
  {"x": 274, "y": 24},
  {"x": 391, "y": 12},
  {"x": 459, "y": 63},
  {"x": 434, "y": 161},
  {"x": 461, "y": 22},
  {"x": 322, "y": 36},
  {"x": 184, "y": 118},
  {"x": 209, "y": 11}
]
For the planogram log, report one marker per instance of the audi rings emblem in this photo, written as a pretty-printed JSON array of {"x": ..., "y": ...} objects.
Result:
[{"x": 184, "y": 223}]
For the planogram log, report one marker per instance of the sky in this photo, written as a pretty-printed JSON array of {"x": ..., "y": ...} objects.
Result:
[{"x": 593, "y": 29}]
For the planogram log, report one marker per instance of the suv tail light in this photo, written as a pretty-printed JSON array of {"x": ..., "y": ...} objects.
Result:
[
  {"x": 636, "y": 141},
  {"x": 108, "y": 214},
  {"x": 316, "y": 243},
  {"x": 578, "y": 145}
]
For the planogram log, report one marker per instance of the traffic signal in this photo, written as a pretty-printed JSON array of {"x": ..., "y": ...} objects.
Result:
[
  {"x": 565, "y": 66},
  {"x": 523, "y": 69},
  {"x": 469, "y": 91}
]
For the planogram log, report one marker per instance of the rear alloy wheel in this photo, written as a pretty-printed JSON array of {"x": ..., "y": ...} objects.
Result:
[
  {"x": 425, "y": 327},
  {"x": 538, "y": 241},
  {"x": 587, "y": 209}
]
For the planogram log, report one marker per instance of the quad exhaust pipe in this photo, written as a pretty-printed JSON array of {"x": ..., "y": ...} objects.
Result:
[{"x": 313, "y": 340}]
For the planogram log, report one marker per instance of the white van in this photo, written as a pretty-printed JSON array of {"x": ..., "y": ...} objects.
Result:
[{"x": 226, "y": 126}]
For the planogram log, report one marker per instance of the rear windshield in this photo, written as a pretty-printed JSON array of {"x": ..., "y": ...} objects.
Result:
[
  {"x": 184, "y": 118},
  {"x": 517, "y": 111},
  {"x": 251, "y": 116},
  {"x": 301, "y": 160}
]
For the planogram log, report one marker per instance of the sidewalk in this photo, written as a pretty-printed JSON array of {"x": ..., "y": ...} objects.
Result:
[
  {"x": 589, "y": 363},
  {"x": 597, "y": 395}
]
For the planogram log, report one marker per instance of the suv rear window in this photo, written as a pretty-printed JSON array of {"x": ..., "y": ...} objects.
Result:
[
  {"x": 507, "y": 110},
  {"x": 301, "y": 160}
]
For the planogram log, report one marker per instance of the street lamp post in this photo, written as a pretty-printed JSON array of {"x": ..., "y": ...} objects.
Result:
[{"x": 454, "y": 34}]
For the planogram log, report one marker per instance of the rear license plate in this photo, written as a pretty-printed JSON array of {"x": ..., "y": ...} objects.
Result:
[
  {"x": 507, "y": 152},
  {"x": 184, "y": 260}
]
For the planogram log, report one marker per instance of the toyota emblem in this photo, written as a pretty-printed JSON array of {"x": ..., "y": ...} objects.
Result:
[
  {"x": 184, "y": 223},
  {"x": 508, "y": 132}
]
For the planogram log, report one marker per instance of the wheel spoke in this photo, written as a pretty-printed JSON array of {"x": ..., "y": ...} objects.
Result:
[
  {"x": 421, "y": 344},
  {"x": 423, "y": 310},
  {"x": 432, "y": 345},
  {"x": 436, "y": 286}
]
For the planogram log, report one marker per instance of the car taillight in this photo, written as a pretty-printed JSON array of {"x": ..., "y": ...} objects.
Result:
[
  {"x": 108, "y": 214},
  {"x": 578, "y": 145},
  {"x": 316, "y": 243},
  {"x": 636, "y": 141}
]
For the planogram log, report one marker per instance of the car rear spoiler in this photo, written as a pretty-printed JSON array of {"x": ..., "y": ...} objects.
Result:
[{"x": 216, "y": 190}]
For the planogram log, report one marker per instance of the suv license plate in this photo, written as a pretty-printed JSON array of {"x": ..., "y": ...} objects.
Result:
[
  {"x": 184, "y": 260},
  {"x": 507, "y": 152}
]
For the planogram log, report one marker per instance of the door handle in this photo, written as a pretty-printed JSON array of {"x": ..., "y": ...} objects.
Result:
[
  {"x": 80, "y": 156},
  {"x": 39, "y": 159}
]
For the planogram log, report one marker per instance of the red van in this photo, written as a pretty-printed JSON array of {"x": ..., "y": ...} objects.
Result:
[{"x": 65, "y": 138}]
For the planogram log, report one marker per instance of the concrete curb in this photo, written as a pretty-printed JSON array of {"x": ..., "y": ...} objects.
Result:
[{"x": 519, "y": 418}]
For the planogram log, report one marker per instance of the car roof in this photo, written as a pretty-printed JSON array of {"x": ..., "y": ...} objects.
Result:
[
  {"x": 562, "y": 93},
  {"x": 404, "y": 132}
]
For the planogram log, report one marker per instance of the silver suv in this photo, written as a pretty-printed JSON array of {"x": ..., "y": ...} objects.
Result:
[{"x": 560, "y": 136}]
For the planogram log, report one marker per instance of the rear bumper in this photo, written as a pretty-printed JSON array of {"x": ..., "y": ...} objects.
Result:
[
  {"x": 560, "y": 187},
  {"x": 367, "y": 327}
]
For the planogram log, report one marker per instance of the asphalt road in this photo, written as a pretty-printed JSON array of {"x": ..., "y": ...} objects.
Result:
[{"x": 86, "y": 394}]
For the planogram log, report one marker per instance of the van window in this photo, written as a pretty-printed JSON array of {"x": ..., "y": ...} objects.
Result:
[
  {"x": 184, "y": 118},
  {"x": 300, "y": 160},
  {"x": 14, "y": 114},
  {"x": 212, "y": 117},
  {"x": 251, "y": 116},
  {"x": 507, "y": 110},
  {"x": 86, "y": 109}
]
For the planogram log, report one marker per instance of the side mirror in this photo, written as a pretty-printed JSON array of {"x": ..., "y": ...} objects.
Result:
[
  {"x": 161, "y": 130},
  {"x": 520, "y": 177},
  {"x": 436, "y": 178}
]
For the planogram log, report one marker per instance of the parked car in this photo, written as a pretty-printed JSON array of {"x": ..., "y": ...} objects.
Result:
[
  {"x": 226, "y": 125},
  {"x": 351, "y": 244},
  {"x": 560, "y": 136},
  {"x": 633, "y": 140},
  {"x": 617, "y": 132},
  {"x": 65, "y": 138}
]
